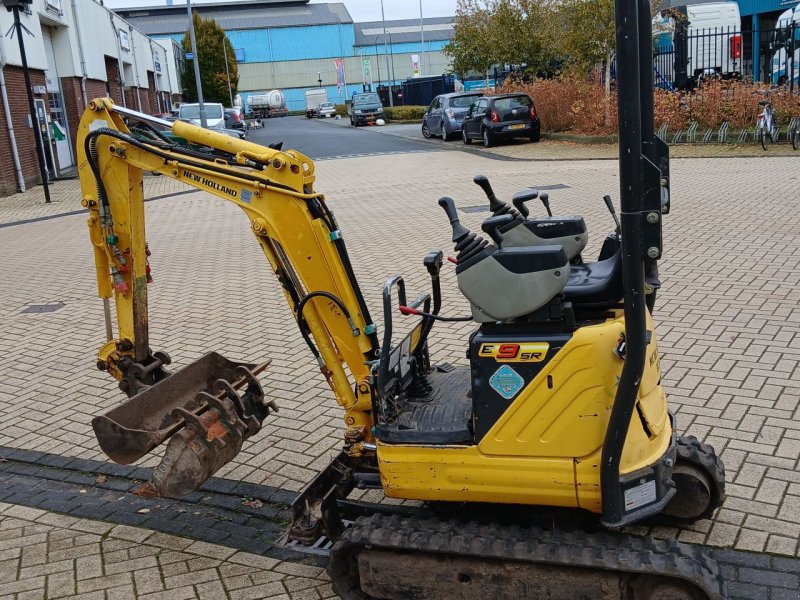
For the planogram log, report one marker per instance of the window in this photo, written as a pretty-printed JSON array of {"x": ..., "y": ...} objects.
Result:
[
  {"x": 512, "y": 102},
  {"x": 54, "y": 5},
  {"x": 366, "y": 99},
  {"x": 479, "y": 107},
  {"x": 124, "y": 40},
  {"x": 462, "y": 101}
]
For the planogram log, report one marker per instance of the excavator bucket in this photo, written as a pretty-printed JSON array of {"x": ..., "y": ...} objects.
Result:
[{"x": 199, "y": 410}]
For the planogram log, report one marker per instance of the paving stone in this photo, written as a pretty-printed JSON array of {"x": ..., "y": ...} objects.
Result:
[
  {"x": 268, "y": 590},
  {"x": 148, "y": 580},
  {"x": 132, "y": 534},
  {"x": 212, "y": 550},
  {"x": 211, "y": 590}
]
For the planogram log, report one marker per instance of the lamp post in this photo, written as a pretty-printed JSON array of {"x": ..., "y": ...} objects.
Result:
[
  {"x": 225, "y": 54},
  {"x": 422, "y": 41},
  {"x": 14, "y": 6},
  {"x": 196, "y": 61},
  {"x": 386, "y": 51}
]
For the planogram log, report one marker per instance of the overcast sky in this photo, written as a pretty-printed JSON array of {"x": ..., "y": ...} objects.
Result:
[{"x": 360, "y": 10}]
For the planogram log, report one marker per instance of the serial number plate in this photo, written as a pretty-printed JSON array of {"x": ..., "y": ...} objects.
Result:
[{"x": 517, "y": 126}]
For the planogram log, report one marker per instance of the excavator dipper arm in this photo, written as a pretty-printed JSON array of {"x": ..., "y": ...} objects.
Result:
[{"x": 297, "y": 233}]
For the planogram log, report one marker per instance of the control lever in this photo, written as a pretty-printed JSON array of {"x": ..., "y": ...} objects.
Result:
[
  {"x": 520, "y": 198},
  {"x": 497, "y": 206},
  {"x": 466, "y": 243},
  {"x": 545, "y": 198},
  {"x": 610, "y": 206},
  {"x": 459, "y": 231},
  {"x": 492, "y": 224}
]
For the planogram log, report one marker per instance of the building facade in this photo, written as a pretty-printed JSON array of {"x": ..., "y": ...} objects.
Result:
[
  {"x": 76, "y": 50},
  {"x": 293, "y": 46}
]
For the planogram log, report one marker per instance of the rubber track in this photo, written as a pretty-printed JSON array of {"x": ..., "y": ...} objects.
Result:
[
  {"x": 601, "y": 551},
  {"x": 703, "y": 456}
]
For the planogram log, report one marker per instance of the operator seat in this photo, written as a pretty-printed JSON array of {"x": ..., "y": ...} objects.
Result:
[
  {"x": 597, "y": 284},
  {"x": 508, "y": 283}
]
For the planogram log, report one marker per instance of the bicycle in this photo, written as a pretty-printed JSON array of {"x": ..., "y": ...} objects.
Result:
[
  {"x": 794, "y": 132},
  {"x": 766, "y": 130}
]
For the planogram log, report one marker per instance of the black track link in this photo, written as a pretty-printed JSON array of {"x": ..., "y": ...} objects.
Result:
[
  {"x": 703, "y": 456},
  {"x": 602, "y": 551}
]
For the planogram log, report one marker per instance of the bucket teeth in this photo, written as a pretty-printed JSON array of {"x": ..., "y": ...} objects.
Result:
[{"x": 199, "y": 410}]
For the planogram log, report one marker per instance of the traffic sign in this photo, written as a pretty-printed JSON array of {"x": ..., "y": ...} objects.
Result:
[{"x": 189, "y": 55}]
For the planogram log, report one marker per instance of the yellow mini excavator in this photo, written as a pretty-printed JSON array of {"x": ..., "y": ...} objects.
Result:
[{"x": 524, "y": 465}]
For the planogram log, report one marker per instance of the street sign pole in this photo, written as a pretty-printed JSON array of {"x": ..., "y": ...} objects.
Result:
[
  {"x": 198, "y": 83},
  {"x": 13, "y": 6},
  {"x": 386, "y": 51}
]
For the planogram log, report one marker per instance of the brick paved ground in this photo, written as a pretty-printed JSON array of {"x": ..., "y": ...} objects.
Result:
[
  {"x": 45, "y": 555},
  {"x": 65, "y": 197},
  {"x": 728, "y": 314}
]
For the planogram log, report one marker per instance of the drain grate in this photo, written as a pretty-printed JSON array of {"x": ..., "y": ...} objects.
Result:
[
  {"x": 43, "y": 308},
  {"x": 474, "y": 209},
  {"x": 545, "y": 188},
  {"x": 541, "y": 188}
]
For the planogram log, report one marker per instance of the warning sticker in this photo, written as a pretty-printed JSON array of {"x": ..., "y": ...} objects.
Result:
[
  {"x": 506, "y": 382},
  {"x": 640, "y": 495}
]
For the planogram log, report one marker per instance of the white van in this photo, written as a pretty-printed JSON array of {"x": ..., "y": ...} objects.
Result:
[
  {"x": 713, "y": 41},
  {"x": 784, "y": 66},
  {"x": 215, "y": 114}
]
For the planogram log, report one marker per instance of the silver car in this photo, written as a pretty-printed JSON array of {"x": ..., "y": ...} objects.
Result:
[
  {"x": 325, "y": 110},
  {"x": 446, "y": 113}
]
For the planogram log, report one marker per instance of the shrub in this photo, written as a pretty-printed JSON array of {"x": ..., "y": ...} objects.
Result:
[
  {"x": 577, "y": 105},
  {"x": 717, "y": 101},
  {"x": 341, "y": 110},
  {"x": 570, "y": 103},
  {"x": 404, "y": 113}
]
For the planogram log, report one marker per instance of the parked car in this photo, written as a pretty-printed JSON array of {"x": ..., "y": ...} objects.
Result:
[
  {"x": 325, "y": 110},
  {"x": 215, "y": 114},
  {"x": 234, "y": 118},
  {"x": 445, "y": 114},
  {"x": 365, "y": 108},
  {"x": 501, "y": 117}
]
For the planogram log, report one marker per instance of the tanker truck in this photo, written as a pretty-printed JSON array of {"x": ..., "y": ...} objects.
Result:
[{"x": 266, "y": 105}]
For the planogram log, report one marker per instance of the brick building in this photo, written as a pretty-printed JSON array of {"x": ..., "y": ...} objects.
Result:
[{"x": 76, "y": 51}]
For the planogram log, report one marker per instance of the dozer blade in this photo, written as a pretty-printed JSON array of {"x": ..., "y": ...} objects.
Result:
[{"x": 199, "y": 408}]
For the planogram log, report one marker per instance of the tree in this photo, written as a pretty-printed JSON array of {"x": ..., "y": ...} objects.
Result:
[
  {"x": 470, "y": 48},
  {"x": 488, "y": 32},
  {"x": 589, "y": 39},
  {"x": 211, "y": 43}
]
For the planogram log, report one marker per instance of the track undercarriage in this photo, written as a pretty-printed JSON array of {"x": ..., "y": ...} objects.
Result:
[{"x": 475, "y": 551}]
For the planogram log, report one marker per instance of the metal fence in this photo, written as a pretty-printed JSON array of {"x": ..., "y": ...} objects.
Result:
[{"x": 682, "y": 59}]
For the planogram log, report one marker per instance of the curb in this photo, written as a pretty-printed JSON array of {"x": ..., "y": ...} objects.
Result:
[{"x": 579, "y": 139}]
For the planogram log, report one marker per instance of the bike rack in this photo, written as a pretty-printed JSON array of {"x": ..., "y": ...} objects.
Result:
[
  {"x": 722, "y": 136},
  {"x": 662, "y": 132},
  {"x": 691, "y": 133},
  {"x": 742, "y": 136}
]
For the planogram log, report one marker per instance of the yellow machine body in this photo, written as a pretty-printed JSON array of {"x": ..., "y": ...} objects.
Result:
[{"x": 546, "y": 447}]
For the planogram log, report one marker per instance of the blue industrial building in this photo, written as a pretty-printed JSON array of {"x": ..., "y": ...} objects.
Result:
[{"x": 291, "y": 45}]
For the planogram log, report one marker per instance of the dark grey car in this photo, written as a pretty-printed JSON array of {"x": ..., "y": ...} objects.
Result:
[{"x": 446, "y": 112}]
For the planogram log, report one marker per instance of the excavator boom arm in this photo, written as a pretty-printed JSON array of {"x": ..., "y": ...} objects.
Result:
[{"x": 274, "y": 188}]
